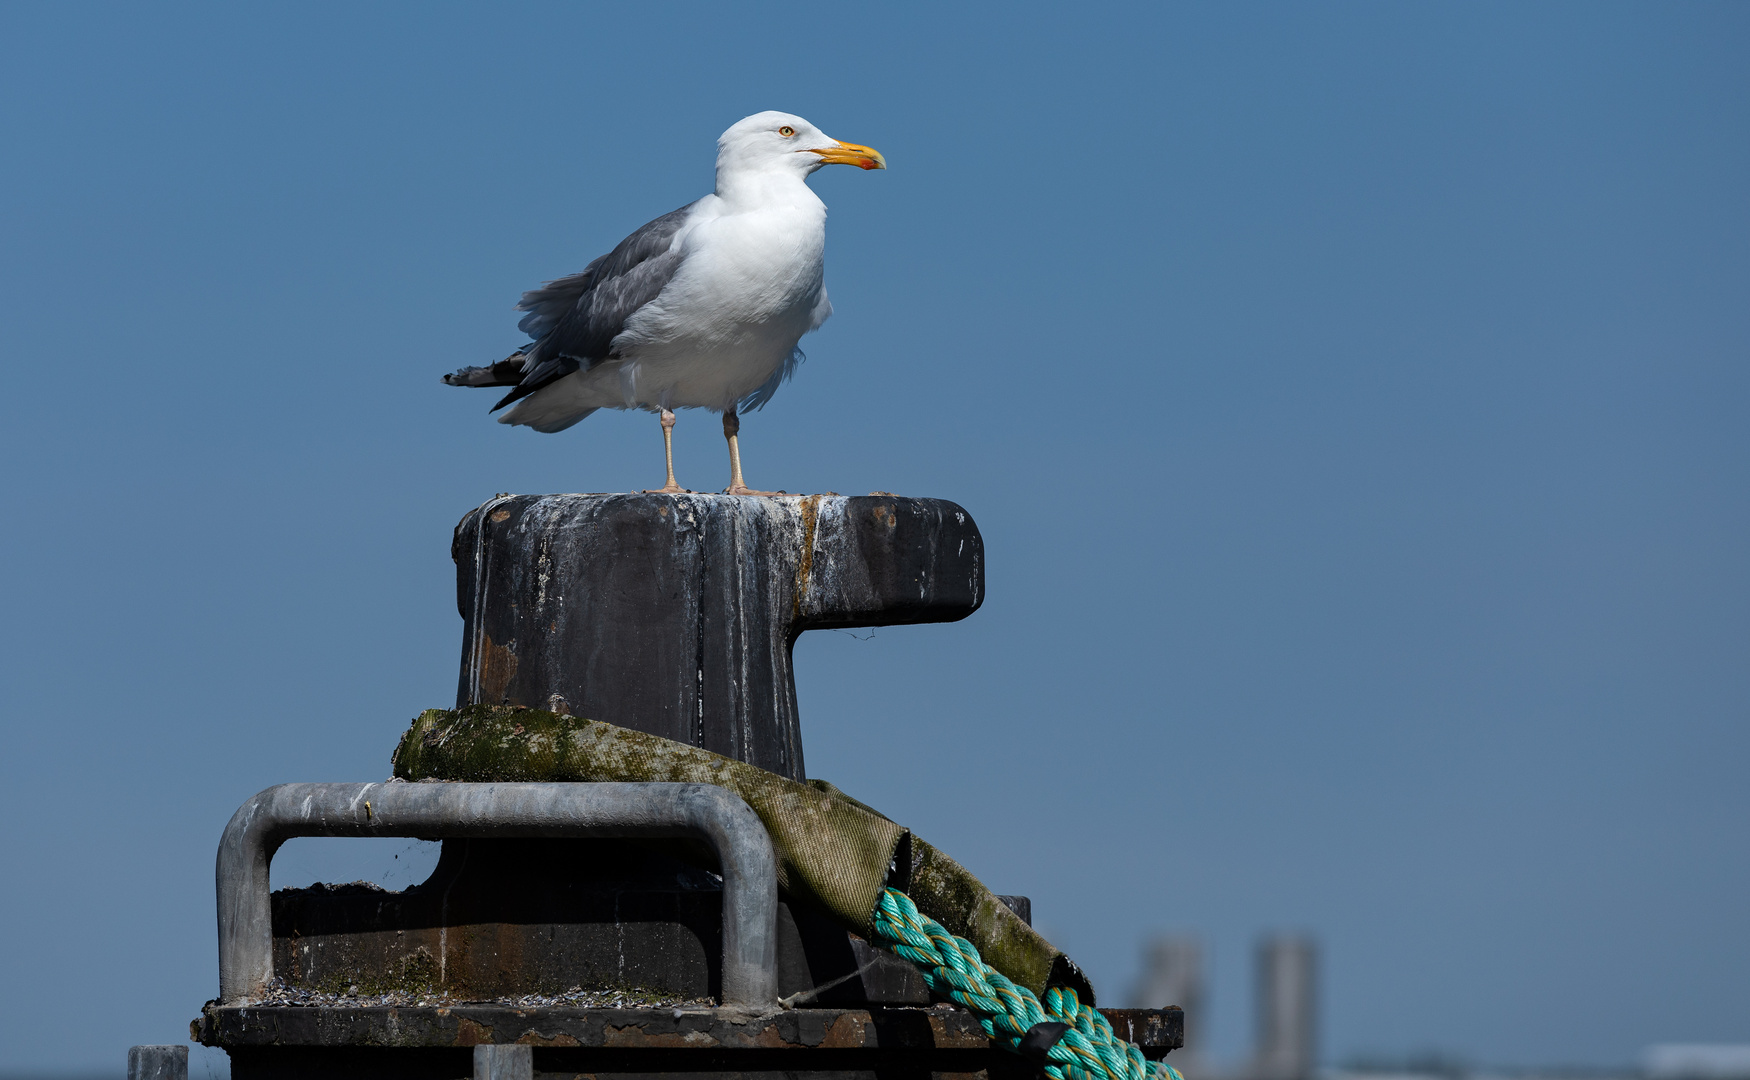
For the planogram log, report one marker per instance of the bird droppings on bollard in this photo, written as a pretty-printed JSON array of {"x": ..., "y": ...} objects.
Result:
[{"x": 373, "y": 994}]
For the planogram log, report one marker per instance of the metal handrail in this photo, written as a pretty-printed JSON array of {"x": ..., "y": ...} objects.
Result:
[{"x": 703, "y": 811}]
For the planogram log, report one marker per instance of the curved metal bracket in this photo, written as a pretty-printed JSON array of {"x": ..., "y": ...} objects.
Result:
[{"x": 703, "y": 811}]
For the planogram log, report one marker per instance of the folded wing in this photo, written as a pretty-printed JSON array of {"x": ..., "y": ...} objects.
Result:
[{"x": 574, "y": 320}]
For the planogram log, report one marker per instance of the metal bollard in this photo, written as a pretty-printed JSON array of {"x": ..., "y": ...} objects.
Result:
[
  {"x": 159, "y": 1063},
  {"x": 504, "y": 1062}
]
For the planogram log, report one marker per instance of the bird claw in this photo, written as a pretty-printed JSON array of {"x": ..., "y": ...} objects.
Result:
[
  {"x": 669, "y": 489},
  {"x": 743, "y": 489}
]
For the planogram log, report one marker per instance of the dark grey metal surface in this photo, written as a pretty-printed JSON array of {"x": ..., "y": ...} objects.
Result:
[
  {"x": 511, "y": 918},
  {"x": 866, "y": 1044},
  {"x": 504, "y": 1062},
  {"x": 700, "y": 811},
  {"x": 676, "y": 614},
  {"x": 158, "y": 1063}
]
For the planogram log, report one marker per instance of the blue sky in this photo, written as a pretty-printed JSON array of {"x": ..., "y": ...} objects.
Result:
[{"x": 1352, "y": 398}]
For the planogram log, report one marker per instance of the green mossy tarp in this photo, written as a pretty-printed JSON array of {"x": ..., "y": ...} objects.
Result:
[{"x": 833, "y": 851}]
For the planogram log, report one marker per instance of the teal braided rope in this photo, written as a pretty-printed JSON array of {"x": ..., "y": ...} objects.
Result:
[{"x": 951, "y": 967}]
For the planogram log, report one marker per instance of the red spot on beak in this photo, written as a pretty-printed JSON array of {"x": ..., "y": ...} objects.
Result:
[{"x": 866, "y": 164}]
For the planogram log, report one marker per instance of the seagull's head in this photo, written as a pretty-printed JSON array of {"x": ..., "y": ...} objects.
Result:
[{"x": 783, "y": 142}]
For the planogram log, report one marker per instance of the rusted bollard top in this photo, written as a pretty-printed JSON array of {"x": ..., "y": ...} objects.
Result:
[{"x": 675, "y": 614}]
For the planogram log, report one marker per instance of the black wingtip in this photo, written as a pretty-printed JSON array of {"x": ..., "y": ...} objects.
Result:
[{"x": 507, "y": 372}]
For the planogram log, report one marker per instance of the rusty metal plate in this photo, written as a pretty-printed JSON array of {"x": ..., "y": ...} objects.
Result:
[{"x": 937, "y": 1028}]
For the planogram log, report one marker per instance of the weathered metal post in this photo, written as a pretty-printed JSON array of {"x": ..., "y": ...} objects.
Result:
[
  {"x": 676, "y": 614},
  {"x": 504, "y": 1062},
  {"x": 158, "y": 1063},
  {"x": 1172, "y": 973}
]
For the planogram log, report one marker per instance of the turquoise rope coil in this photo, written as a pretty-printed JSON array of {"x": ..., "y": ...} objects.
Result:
[{"x": 951, "y": 966}]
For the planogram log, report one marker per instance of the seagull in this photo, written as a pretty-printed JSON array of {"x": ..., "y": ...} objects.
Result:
[{"x": 700, "y": 309}]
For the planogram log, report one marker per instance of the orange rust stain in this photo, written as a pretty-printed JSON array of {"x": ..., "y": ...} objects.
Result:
[
  {"x": 768, "y": 1037},
  {"x": 884, "y": 515},
  {"x": 805, "y": 565},
  {"x": 500, "y": 515},
  {"x": 470, "y": 1032},
  {"x": 849, "y": 1030},
  {"x": 944, "y": 1036},
  {"x": 535, "y": 1038},
  {"x": 497, "y": 669}
]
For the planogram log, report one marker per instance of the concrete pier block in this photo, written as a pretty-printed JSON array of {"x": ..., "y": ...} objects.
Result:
[
  {"x": 675, "y": 614},
  {"x": 158, "y": 1063}
]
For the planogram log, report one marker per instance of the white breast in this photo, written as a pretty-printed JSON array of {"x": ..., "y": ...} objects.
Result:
[{"x": 750, "y": 285}]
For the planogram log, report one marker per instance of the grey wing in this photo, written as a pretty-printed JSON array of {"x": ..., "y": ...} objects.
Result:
[{"x": 575, "y": 319}]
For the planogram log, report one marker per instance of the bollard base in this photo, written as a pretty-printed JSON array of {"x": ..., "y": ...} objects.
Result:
[{"x": 852, "y": 1044}]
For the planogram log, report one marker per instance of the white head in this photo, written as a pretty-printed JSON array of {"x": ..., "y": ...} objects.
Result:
[{"x": 777, "y": 142}]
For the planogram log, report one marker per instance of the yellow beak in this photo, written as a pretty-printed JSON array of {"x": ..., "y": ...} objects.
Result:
[{"x": 848, "y": 153}]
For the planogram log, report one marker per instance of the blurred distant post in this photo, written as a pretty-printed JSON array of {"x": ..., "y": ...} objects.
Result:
[
  {"x": 1287, "y": 1009},
  {"x": 1172, "y": 974},
  {"x": 1287, "y": 1006}
]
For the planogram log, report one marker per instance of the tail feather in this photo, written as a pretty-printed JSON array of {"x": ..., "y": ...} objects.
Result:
[{"x": 547, "y": 423}]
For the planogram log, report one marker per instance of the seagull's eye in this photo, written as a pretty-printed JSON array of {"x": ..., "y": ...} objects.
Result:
[{"x": 786, "y": 131}]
